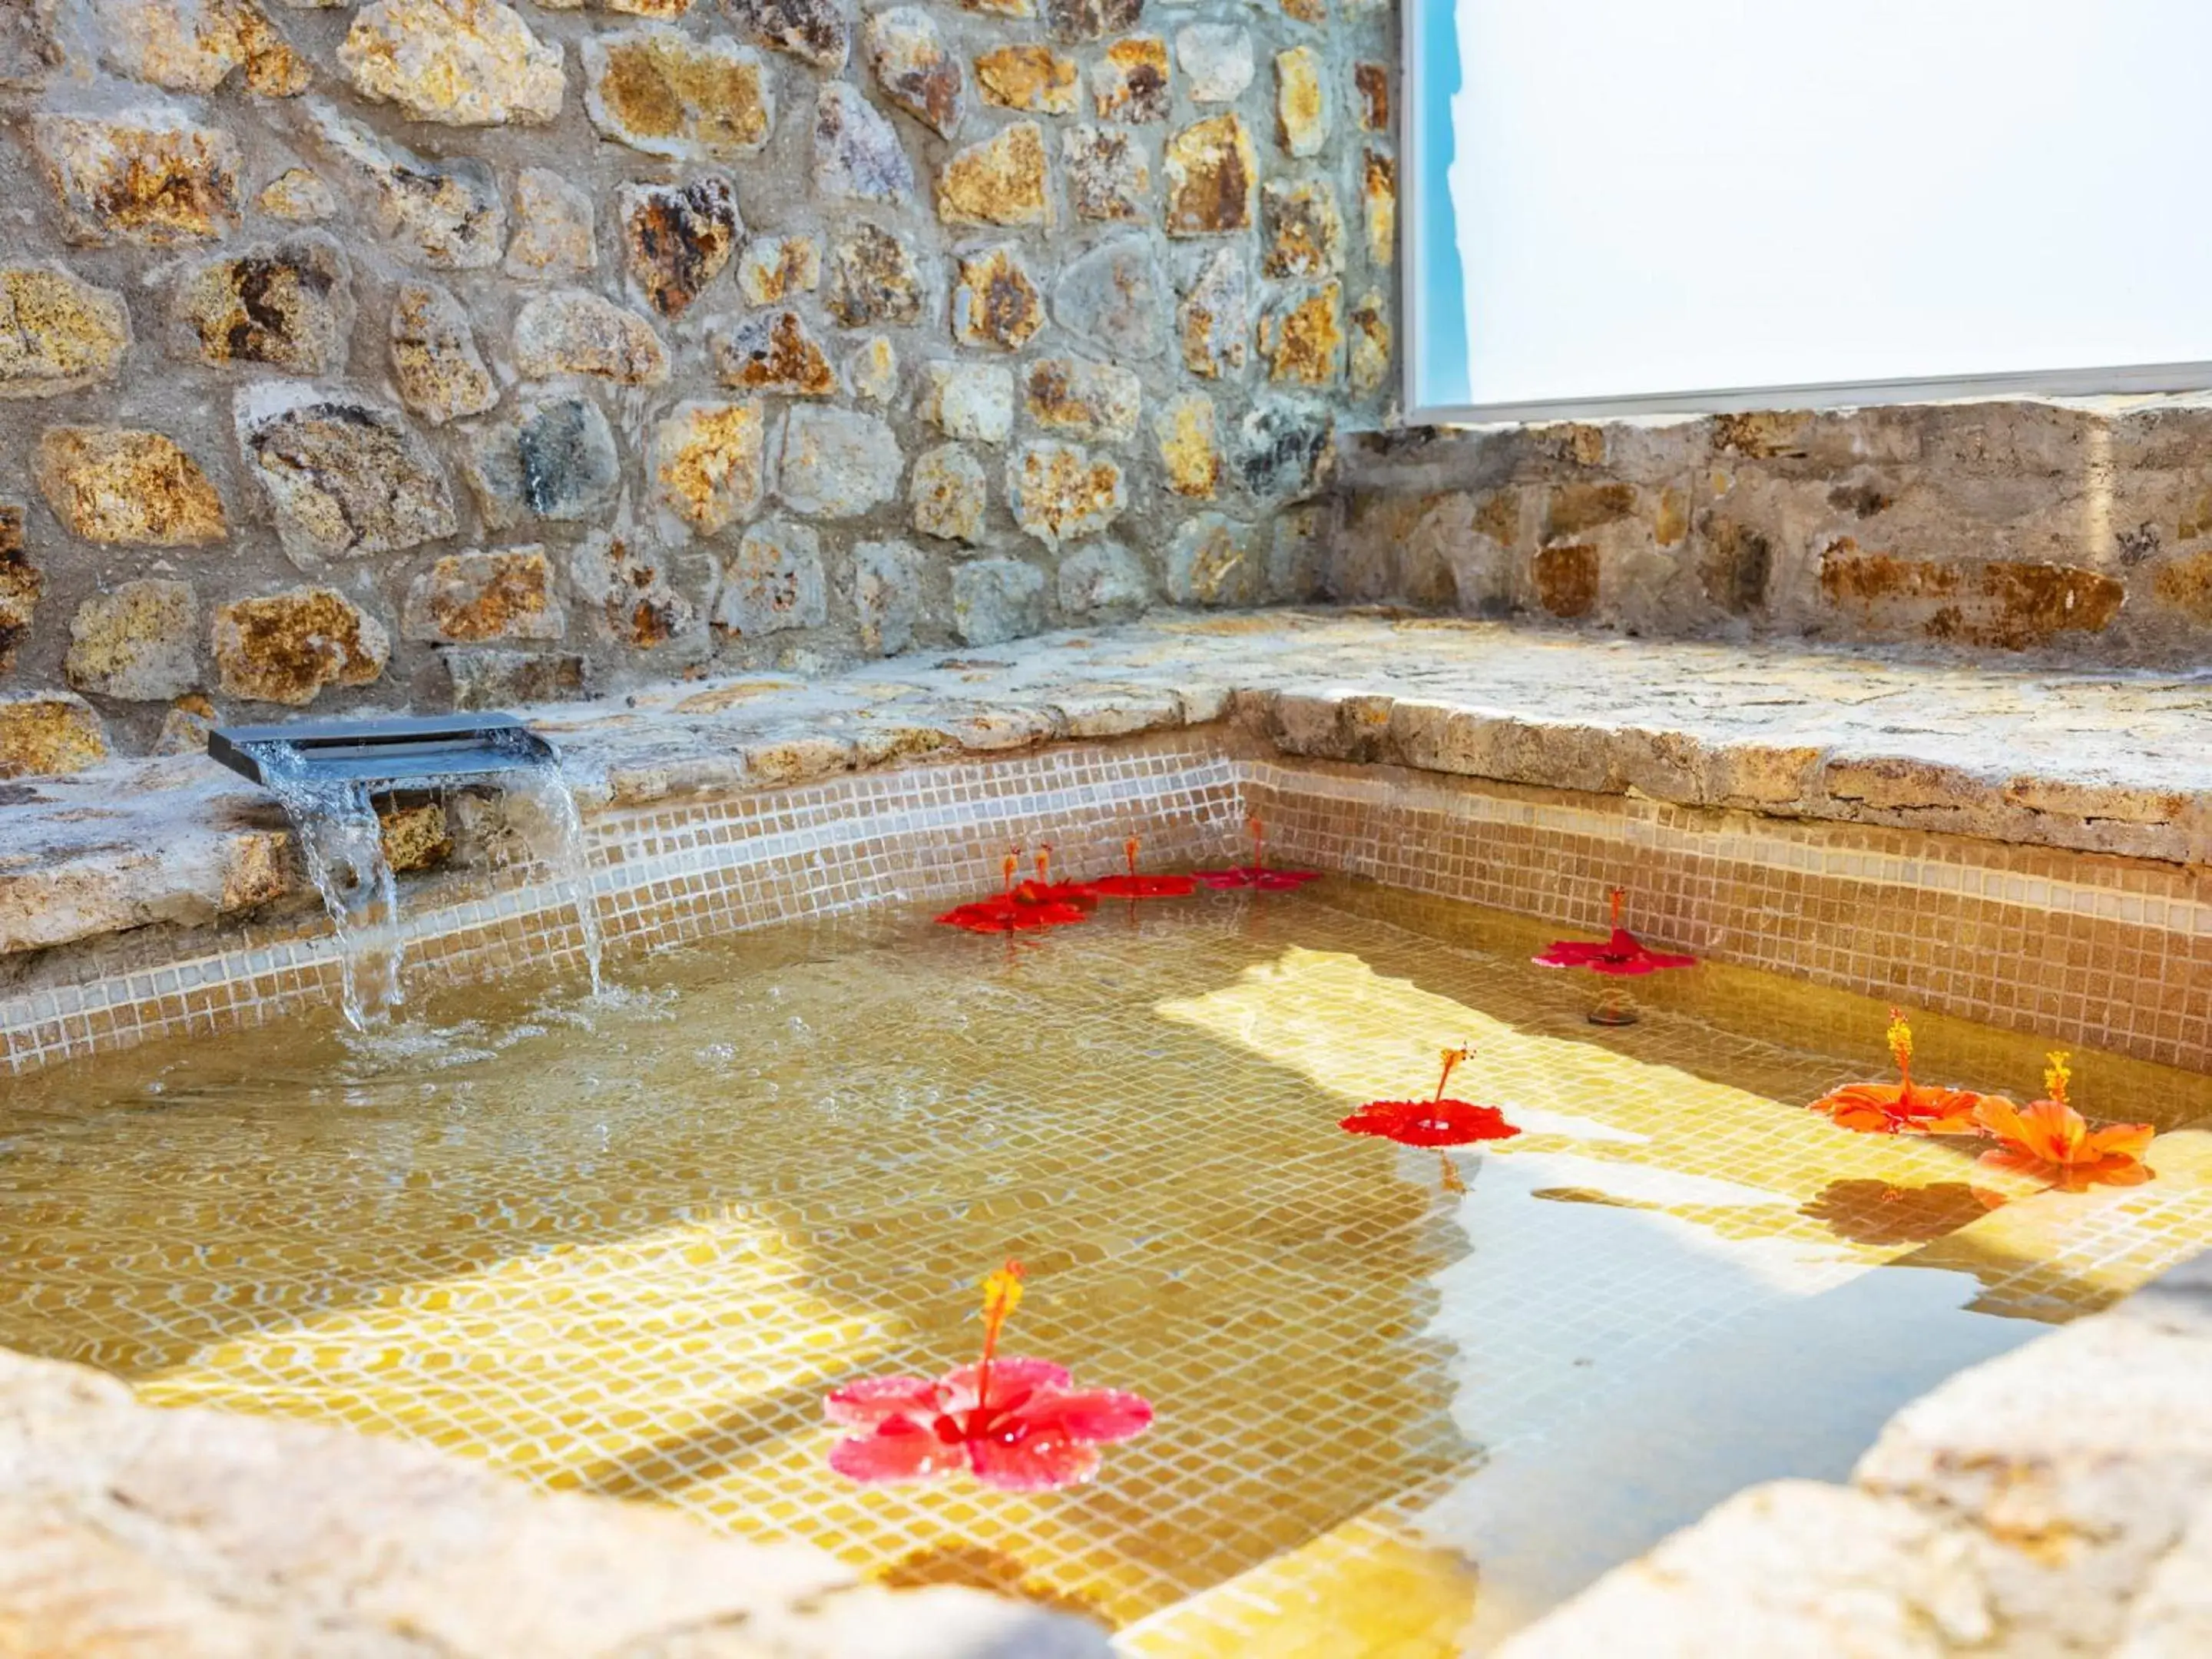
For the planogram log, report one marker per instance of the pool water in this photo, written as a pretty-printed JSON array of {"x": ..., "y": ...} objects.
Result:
[{"x": 1405, "y": 1400}]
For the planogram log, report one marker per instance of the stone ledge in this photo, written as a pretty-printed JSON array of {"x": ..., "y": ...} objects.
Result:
[
  {"x": 2110, "y": 762},
  {"x": 2056, "y": 1500},
  {"x": 191, "y": 1534}
]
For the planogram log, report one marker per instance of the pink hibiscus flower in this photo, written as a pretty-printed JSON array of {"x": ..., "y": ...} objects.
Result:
[
  {"x": 1017, "y": 1424},
  {"x": 1257, "y": 874}
]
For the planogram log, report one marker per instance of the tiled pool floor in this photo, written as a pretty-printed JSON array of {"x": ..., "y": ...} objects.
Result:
[{"x": 625, "y": 1247}]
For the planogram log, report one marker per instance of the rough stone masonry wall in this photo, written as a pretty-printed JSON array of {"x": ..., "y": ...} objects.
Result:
[
  {"x": 436, "y": 352},
  {"x": 2081, "y": 533}
]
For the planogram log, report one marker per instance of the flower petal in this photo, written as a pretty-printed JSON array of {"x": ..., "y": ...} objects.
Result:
[
  {"x": 1569, "y": 953},
  {"x": 2016, "y": 1160},
  {"x": 1863, "y": 1117},
  {"x": 2129, "y": 1140},
  {"x": 1001, "y": 916},
  {"x": 1266, "y": 877},
  {"x": 1622, "y": 954},
  {"x": 1945, "y": 1111},
  {"x": 2120, "y": 1172},
  {"x": 979, "y": 918},
  {"x": 898, "y": 1451},
  {"x": 1429, "y": 1122},
  {"x": 875, "y": 1399},
  {"x": 1093, "y": 1416},
  {"x": 2053, "y": 1131},
  {"x": 2001, "y": 1118},
  {"x": 1011, "y": 1379},
  {"x": 1034, "y": 1462},
  {"x": 1146, "y": 887}
]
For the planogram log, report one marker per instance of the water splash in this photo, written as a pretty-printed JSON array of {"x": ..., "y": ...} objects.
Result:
[{"x": 342, "y": 842}]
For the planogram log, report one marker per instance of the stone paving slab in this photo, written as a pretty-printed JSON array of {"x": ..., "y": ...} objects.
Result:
[
  {"x": 2117, "y": 761},
  {"x": 2057, "y": 1500},
  {"x": 187, "y": 1534}
]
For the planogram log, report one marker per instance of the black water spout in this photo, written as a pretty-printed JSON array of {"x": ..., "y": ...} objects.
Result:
[{"x": 385, "y": 755}]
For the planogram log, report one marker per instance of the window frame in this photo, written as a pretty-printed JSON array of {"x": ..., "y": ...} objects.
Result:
[{"x": 1415, "y": 18}]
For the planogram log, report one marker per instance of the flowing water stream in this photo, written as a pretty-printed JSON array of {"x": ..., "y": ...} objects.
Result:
[
  {"x": 342, "y": 842},
  {"x": 556, "y": 839}
]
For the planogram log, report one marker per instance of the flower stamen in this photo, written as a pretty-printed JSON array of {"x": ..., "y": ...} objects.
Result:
[
  {"x": 1002, "y": 1294},
  {"x": 1901, "y": 1050},
  {"x": 1452, "y": 1058},
  {"x": 2056, "y": 1075}
]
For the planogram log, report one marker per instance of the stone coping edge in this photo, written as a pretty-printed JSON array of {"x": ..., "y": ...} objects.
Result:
[
  {"x": 180, "y": 841},
  {"x": 1832, "y": 784}
]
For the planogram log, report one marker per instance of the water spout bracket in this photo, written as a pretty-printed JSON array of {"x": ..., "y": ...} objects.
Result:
[{"x": 389, "y": 754}]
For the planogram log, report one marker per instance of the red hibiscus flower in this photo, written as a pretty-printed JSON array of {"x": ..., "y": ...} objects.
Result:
[
  {"x": 1257, "y": 874},
  {"x": 1134, "y": 886},
  {"x": 1043, "y": 890},
  {"x": 2049, "y": 1141},
  {"x": 992, "y": 916},
  {"x": 1621, "y": 953},
  {"x": 1432, "y": 1123},
  {"x": 1017, "y": 1424},
  {"x": 1018, "y": 909},
  {"x": 1903, "y": 1108}
]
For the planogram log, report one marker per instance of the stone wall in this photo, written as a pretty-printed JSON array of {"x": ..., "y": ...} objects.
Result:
[
  {"x": 2080, "y": 532},
  {"x": 437, "y": 352}
]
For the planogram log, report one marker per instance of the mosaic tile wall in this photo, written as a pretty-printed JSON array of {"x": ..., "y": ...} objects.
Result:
[
  {"x": 2086, "y": 950},
  {"x": 679, "y": 872},
  {"x": 2109, "y": 952}
]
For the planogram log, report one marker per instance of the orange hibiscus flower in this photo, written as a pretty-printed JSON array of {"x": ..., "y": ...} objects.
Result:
[
  {"x": 2047, "y": 1140},
  {"x": 1904, "y": 1107}
]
